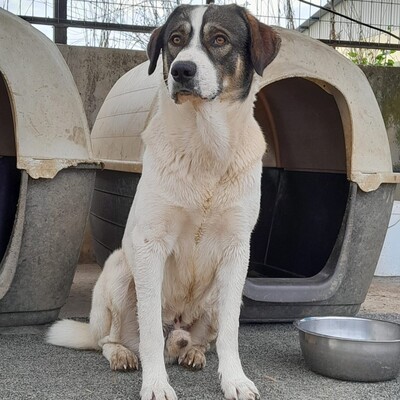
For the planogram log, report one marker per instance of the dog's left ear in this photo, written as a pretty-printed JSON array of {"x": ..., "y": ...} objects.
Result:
[
  {"x": 264, "y": 43},
  {"x": 154, "y": 47}
]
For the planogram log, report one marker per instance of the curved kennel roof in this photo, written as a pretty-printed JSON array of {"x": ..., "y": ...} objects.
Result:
[
  {"x": 127, "y": 108},
  {"x": 50, "y": 126}
]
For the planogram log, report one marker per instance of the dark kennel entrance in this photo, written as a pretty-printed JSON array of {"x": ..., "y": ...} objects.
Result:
[
  {"x": 318, "y": 238},
  {"x": 9, "y": 174},
  {"x": 300, "y": 218},
  {"x": 304, "y": 183}
]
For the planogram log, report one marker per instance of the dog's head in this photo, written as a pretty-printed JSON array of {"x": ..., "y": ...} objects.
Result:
[{"x": 211, "y": 51}]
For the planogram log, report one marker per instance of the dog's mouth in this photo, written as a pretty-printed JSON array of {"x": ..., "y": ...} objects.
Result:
[
  {"x": 186, "y": 92},
  {"x": 183, "y": 95}
]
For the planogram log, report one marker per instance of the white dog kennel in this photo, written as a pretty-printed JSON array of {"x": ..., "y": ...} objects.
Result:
[
  {"x": 327, "y": 185},
  {"x": 46, "y": 175}
]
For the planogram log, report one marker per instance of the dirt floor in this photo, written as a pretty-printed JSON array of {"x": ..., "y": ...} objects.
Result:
[{"x": 383, "y": 296}]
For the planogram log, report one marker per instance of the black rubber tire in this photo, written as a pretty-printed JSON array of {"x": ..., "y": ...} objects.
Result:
[
  {"x": 276, "y": 246},
  {"x": 112, "y": 199}
]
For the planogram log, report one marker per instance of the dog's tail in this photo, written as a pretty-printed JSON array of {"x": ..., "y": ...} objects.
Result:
[{"x": 73, "y": 334}]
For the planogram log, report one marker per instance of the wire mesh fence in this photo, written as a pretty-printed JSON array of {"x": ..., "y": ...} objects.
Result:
[{"x": 368, "y": 24}]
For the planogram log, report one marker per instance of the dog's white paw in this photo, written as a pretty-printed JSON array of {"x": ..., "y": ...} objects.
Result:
[
  {"x": 194, "y": 358},
  {"x": 158, "y": 391},
  {"x": 123, "y": 359},
  {"x": 239, "y": 388}
]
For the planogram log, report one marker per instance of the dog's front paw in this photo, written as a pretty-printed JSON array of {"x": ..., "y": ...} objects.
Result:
[
  {"x": 123, "y": 359},
  {"x": 158, "y": 391},
  {"x": 194, "y": 358},
  {"x": 239, "y": 388}
]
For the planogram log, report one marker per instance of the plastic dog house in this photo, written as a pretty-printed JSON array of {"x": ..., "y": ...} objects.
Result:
[
  {"x": 46, "y": 175},
  {"x": 327, "y": 185}
]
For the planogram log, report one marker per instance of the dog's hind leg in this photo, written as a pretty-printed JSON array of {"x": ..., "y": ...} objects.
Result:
[
  {"x": 100, "y": 316},
  {"x": 119, "y": 357},
  {"x": 119, "y": 294},
  {"x": 106, "y": 325},
  {"x": 100, "y": 312}
]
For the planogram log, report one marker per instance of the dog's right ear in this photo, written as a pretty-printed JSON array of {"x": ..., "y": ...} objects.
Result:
[{"x": 154, "y": 47}]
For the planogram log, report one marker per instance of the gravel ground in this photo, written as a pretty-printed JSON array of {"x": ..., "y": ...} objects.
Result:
[{"x": 271, "y": 356}]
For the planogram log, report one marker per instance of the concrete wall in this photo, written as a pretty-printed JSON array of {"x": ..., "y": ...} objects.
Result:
[
  {"x": 385, "y": 83},
  {"x": 95, "y": 71}
]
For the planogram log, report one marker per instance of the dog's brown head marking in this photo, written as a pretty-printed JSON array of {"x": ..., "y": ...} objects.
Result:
[
  {"x": 212, "y": 50},
  {"x": 264, "y": 43}
]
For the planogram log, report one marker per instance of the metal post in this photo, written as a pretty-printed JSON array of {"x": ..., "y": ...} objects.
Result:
[{"x": 60, "y": 14}]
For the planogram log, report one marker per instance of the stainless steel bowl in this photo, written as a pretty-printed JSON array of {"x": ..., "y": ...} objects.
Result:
[{"x": 354, "y": 349}]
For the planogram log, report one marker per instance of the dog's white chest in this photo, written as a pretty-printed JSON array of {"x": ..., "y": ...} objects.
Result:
[{"x": 189, "y": 285}]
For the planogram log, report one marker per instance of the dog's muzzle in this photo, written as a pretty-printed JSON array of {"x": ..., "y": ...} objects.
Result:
[
  {"x": 185, "y": 83},
  {"x": 184, "y": 72},
  {"x": 184, "y": 79}
]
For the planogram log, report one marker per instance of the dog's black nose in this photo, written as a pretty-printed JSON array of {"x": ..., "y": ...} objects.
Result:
[{"x": 183, "y": 71}]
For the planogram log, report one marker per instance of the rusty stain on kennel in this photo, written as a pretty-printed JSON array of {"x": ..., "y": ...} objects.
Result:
[
  {"x": 327, "y": 180},
  {"x": 46, "y": 179}
]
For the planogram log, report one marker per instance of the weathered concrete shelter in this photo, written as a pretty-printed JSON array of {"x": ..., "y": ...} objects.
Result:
[{"x": 46, "y": 175}]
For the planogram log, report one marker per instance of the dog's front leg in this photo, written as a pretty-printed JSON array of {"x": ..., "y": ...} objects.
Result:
[
  {"x": 149, "y": 255},
  {"x": 231, "y": 278}
]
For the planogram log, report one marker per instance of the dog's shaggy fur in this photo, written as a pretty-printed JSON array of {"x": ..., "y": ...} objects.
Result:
[{"x": 179, "y": 276}]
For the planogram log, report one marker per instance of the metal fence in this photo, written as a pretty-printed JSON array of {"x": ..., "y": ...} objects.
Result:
[{"x": 127, "y": 23}]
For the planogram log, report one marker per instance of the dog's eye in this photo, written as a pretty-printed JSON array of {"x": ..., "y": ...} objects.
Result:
[
  {"x": 219, "y": 40},
  {"x": 176, "y": 40}
]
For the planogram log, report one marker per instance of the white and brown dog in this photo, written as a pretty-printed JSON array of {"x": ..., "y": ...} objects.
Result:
[{"x": 185, "y": 252}]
